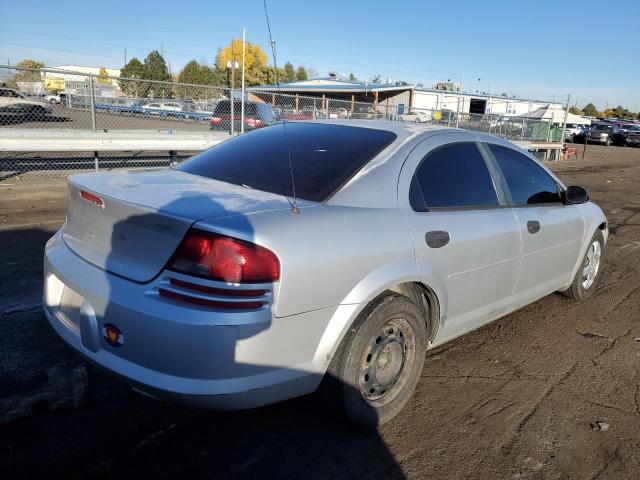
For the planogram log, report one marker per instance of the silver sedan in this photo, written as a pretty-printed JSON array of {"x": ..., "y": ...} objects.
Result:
[{"x": 323, "y": 255}]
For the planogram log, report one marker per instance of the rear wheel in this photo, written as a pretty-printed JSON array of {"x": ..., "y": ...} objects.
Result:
[
  {"x": 587, "y": 276},
  {"x": 378, "y": 364}
]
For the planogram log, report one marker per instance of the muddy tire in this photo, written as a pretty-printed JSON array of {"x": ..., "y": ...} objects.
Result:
[
  {"x": 378, "y": 364},
  {"x": 586, "y": 279}
]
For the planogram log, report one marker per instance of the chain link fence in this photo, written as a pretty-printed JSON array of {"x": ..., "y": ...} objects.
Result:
[{"x": 88, "y": 111}]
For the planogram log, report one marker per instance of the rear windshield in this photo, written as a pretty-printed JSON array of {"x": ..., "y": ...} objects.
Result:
[
  {"x": 323, "y": 158},
  {"x": 224, "y": 108}
]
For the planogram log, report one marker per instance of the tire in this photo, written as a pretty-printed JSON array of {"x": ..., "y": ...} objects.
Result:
[
  {"x": 581, "y": 288},
  {"x": 378, "y": 364},
  {"x": 417, "y": 120}
]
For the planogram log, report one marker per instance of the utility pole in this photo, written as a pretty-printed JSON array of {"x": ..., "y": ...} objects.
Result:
[
  {"x": 233, "y": 76},
  {"x": 244, "y": 38},
  {"x": 566, "y": 116}
]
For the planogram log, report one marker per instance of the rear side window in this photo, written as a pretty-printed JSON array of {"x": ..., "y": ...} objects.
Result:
[
  {"x": 323, "y": 158},
  {"x": 455, "y": 175},
  {"x": 528, "y": 183}
]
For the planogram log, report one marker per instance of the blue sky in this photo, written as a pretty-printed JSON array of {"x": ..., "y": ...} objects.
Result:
[{"x": 537, "y": 48}]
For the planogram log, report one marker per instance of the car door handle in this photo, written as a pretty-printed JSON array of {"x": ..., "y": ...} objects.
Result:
[
  {"x": 437, "y": 238},
  {"x": 533, "y": 226}
]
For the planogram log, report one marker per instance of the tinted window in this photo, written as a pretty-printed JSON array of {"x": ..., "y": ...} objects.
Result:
[
  {"x": 323, "y": 158},
  {"x": 453, "y": 176},
  {"x": 224, "y": 108},
  {"x": 528, "y": 183}
]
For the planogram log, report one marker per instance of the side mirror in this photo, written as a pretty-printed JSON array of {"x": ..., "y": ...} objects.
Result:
[{"x": 575, "y": 195}]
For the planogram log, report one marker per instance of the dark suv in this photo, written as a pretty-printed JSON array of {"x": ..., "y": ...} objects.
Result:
[
  {"x": 256, "y": 115},
  {"x": 629, "y": 136},
  {"x": 601, "y": 133}
]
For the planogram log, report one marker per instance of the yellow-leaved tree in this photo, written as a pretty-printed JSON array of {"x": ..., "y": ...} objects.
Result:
[{"x": 255, "y": 61}]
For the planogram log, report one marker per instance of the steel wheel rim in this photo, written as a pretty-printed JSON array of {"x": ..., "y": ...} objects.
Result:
[
  {"x": 386, "y": 361},
  {"x": 591, "y": 264}
]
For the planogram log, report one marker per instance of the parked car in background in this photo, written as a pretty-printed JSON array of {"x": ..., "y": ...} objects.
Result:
[
  {"x": 159, "y": 108},
  {"x": 573, "y": 130},
  {"x": 363, "y": 111},
  {"x": 627, "y": 137},
  {"x": 293, "y": 114},
  {"x": 53, "y": 98},
  {"x": 601, "y": 133},
  {"x": 15, "y": 102},
  {"x": 218, "y": 283},
  {"x": 581, "y": 135},
  {"x": 256, "y": 115},
  {"x": 417, "y": 116}
]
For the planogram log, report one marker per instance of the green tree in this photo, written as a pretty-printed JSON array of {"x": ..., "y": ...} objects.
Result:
[
  {"x": 134, "y": 69},
  {"x": 353, "y": 78},
  {"x": 590, "y": 110},
  {"x": 32, "y": 74},
  {"x": 621, "y": 112},
  {"x": 301, "y": 74},
  {"x": 575, "y": 111},
  {"x": 155, "y": 68},
  {"x": 289, "y": 73},
  {"x": 199, "y": 74},
  {"x": 103, "y": 76}
]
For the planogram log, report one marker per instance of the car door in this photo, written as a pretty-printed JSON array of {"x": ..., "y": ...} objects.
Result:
[
  {"x": 552, "y": 232},
  {"x": 467, "y": 244}
]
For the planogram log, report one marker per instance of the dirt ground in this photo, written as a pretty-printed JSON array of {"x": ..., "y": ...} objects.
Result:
[{"x": 551, "y": 391}]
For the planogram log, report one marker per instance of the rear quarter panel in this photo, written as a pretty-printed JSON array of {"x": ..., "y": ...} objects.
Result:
[{"x": 329, "y": 255}]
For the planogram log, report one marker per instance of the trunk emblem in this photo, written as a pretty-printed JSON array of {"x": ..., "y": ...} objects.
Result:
[
  {"x": 90, "y": 197},
  {"x": 112, "y": 335}
]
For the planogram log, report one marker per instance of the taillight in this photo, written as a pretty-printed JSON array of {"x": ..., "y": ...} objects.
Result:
[
  {"x": 253, "y": 122},
  {"x": 225, "y": 258},
  {"x": 216, "y": 120},
  {"x": 90, "y": 197}
]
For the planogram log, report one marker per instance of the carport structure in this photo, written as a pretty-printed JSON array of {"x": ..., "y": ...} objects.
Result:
[{"x": 384, "y": 98}]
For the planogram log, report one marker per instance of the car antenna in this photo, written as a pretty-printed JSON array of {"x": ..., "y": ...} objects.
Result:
[{"x": 293, "y": 202}]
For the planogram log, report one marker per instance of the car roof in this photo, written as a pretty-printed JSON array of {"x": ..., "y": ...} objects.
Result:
[
  {"x": 364, "y": 188},
  {"x": 403, "y": 130}
]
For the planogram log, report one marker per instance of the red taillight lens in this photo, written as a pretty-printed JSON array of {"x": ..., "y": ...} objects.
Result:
[
  {"x": 253, "y": 122},
  {"x": 90, "y": 197},
  {"x": 225, "y": 258},
  {"x": 216, "y": 120}
]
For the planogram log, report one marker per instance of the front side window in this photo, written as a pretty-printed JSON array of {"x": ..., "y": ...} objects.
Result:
[
  {"x": 528, "y": 183},
  {"x": 455, "y": 175}
]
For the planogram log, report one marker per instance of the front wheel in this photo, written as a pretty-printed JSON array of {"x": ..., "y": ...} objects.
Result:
[
  {"x": 378, "y": 364},
  {"x": 588, "y": 274}
]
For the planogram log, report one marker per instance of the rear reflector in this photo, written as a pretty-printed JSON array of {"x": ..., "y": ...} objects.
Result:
[
  {"x": 225, "y": 258},
  {"x": 90, "y": 197},
  {"x": 216, "y": 291},
  {"x": 209, "y": 303}
]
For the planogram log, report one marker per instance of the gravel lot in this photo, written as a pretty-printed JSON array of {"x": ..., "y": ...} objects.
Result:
[{"x": 551, "y": 391}]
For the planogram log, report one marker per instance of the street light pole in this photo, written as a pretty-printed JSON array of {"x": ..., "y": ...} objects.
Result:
[
  {"x": 233, "y": 76},
  {"x": 244, "y": 37}
]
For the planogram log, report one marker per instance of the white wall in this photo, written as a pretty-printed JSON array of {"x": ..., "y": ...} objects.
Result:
[{"x": 449, "y": 101}]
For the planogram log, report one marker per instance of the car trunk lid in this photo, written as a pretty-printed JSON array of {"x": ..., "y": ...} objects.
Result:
[{"x": 130, "y": 223}]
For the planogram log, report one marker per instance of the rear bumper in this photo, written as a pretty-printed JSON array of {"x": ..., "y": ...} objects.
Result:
[{"x": 225, "y": 360}]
